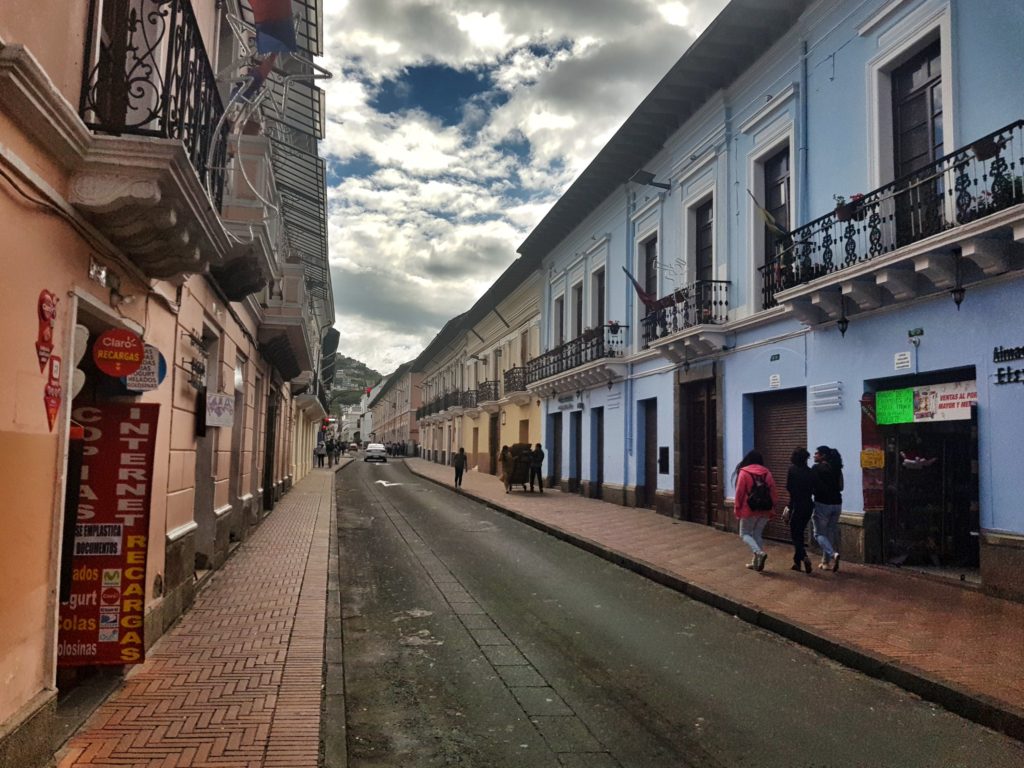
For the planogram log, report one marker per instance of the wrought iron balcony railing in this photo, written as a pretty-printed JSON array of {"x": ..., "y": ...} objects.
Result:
[
  {"x": 487, "y": 392},
  {"x": 147, "y": 73},
  {"x": 594, "y": 344},
  {"x": 515, "y": 380},
  {"x": 705, "y": 302},
  {"x": 452, "y": 399},
  {"x": 469, "y": 398},
  {"x": 971, "y": 183}
]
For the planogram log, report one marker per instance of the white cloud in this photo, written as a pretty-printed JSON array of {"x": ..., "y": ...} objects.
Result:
[{"x": 427, "y": 214}]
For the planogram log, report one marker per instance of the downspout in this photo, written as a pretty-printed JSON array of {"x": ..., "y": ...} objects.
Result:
[
  {"x": 628, "y": 395},
  {"x": 803, "y": 202}
]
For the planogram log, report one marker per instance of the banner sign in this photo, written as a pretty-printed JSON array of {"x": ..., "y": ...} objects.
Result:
[
  {"x": 936, "y": 402},
  {"x": 101, "y": 623},
  {"x": 220, "y": 410}
]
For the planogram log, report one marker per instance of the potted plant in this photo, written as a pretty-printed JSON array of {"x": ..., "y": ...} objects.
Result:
[
  {"x": 848, "y": 210},
  {"x": 987, "y": 147},
  {"x": 613, "y": 327}
]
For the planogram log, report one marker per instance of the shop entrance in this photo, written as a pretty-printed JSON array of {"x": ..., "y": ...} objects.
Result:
[
  {"x": 931, "y": 516},
  {"x": 701, "y": 491},
  {"x": 780, "y": 426}
]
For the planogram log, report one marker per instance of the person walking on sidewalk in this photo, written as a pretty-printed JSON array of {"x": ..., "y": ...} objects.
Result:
[
  {"x": 320, "y": 452},
  {"x": 828, "y": 503},
  {"x": 459, "y": 462},
  {"x": 536, "y": 464},
  {"x": 505, "y": 461},
  {"x": 756, "y": 497},
  {"x": 800, "y": 484}
]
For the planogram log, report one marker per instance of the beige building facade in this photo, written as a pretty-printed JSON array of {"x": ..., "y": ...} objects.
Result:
[{"x": 124, "y": 228}]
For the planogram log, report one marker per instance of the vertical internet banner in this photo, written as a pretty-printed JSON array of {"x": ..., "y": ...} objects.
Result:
[{"x": 101, "y": 623}]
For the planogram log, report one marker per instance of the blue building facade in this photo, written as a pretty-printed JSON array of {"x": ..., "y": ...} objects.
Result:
[{"x": 810, "y": 232}]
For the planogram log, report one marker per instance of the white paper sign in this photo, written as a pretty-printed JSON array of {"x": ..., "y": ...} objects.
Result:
[
  {"x": 147, "y": 377},
  {"x": 220, "y": 410},
  {"x": 774, "y": 381},
  {"x": 902, "y": 361}
]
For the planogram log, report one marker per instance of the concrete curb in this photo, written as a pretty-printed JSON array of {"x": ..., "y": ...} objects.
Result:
[{"x": 978, "y": 708}]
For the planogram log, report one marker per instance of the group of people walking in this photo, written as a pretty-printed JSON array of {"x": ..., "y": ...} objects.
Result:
[
  {"x": 507, "y": 460},
  {"x": 329, "y": 450},
  {"x": 815, "y": 496}
]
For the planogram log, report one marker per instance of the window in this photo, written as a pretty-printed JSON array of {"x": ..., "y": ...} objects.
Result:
[
  {"x": 776, "y": 199},
  {"x": 651, "y": 266},
  {"x": 524, "y": 348},
  {"x": 704, "y": 219},
  {"x": 559, "y": 321},
  {"x": 917, "y": 111},
  {"x": 597, "y": 298},
  {"x": 577, "y": 310}
]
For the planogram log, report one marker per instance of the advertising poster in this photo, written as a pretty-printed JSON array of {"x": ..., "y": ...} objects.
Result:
[
  {"x": 220, "y": 410},
  {"x": 937, "y": 402},
  {"x": 101, "y": 622}
]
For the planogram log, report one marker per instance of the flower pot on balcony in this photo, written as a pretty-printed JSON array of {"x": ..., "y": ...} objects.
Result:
[
  {"x": 986, "y": 148},
  {"x": 845, "y": 211}
]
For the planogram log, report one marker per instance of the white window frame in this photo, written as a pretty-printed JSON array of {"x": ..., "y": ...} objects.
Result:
[{"x": 701, "y": 195}]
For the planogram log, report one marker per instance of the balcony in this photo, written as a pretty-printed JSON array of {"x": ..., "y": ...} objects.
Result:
[
  {"x": 516, "y": 390},
  {"x": 284, "y": 335},
  {"x": 453, "y": 402},
  {"x": 470, "y": 406},
  {"x": 154, "y": 180},
  {"x": 589, "y": 359},
  {"x": 679, "y": 327},
  {"x": 954, "y": 222},
  {"x": 488, "y": 394}
]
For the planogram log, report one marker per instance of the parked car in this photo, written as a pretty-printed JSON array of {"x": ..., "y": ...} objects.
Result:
[{"x": 375, "y": 452}]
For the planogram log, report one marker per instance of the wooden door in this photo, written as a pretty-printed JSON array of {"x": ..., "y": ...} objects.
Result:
[
  {"x": 576, "y": 450},
  {"x": 493, "y": 438},
  {"x": 700, "y": 430},
  {"x": 597, "y": 430},
  {"x": 555, "y": 441},
  {"x": 650, "y": 458}
]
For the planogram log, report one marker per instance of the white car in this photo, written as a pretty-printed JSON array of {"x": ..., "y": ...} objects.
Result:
[{"x": 375, "y": 452}]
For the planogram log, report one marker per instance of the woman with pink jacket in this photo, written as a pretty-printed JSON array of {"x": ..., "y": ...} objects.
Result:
[{"x": 756, "y": 498}]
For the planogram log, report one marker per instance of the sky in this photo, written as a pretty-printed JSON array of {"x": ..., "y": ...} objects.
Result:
[{"x": 453, "y": 126}]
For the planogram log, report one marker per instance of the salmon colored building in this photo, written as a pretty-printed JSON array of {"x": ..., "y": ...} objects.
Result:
[{"x": 165, "y": 298}]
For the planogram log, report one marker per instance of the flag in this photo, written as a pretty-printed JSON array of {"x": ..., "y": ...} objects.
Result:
[
  {"x": 769, "y": 220},
  {"x": 649, "y": 301},
  {"x": 275, "y": 29}
]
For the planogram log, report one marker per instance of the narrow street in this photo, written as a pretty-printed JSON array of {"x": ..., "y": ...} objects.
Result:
[{"x": 472, "y": 639}]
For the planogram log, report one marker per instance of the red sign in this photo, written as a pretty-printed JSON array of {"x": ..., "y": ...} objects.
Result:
[
  {"x": 118, "y": 352},
  {"x": 101, "y": 623},
  {"x": 47, "y": 318},
  {"x": 53, "y": 392}
]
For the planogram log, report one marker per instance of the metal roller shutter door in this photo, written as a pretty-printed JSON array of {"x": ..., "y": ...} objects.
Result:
[{"x": 780, "y": 426}]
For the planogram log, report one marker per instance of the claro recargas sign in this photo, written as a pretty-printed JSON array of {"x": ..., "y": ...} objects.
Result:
[{"x": 118, "y": 352}]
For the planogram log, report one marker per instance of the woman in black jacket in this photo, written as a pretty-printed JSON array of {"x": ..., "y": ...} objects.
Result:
[
  {"x": 828, "y": 503},
  {"x": 800, "y": 484}
]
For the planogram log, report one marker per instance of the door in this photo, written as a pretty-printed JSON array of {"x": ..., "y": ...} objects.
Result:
[
  {"x": 917, "y": 142},
  {"x": 931, "y": 515},
  {"x": 780, "y": 427},
  {"x": 555, "y": 449},
  {"x": 493, "y": 437},
  {"x": 575, "y": 450},
  {"x": 597, "y": 457},
  {"x": 702, "y": 490},
  {"x": 524, "y": 431},
  {"x": 650, "y": 456}
]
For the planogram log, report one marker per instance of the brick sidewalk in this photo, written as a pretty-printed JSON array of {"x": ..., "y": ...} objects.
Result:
[
  {"x": 952, "y": 645},
  {"x": 237, "y": 682}
]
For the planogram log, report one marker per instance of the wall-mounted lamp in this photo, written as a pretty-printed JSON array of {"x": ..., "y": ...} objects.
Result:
[
  {"x": 647, "y": 178},
  {"x": 843, "y": 322},
  {"x": 958, "y": 290}
]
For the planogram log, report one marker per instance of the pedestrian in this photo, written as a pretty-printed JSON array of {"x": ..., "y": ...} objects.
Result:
[
  {"x": 756, "y": 497},
  {"x": 339, "y": 446},
  {"x": 828, "y": 503},
  {"x": 800, "y": 484},
  {"x": 459, "y": 462},
  {"x": 505, "y": 461},
  {"x": 536, "y": 464},
  {"x": 329, "y": 448},
  {"x": 320, "y": 452}
]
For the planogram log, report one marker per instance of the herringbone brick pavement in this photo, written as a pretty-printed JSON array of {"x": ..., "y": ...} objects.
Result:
[
  {"x": 237, "y": 682},
  {"x": 918, "y": 629}
]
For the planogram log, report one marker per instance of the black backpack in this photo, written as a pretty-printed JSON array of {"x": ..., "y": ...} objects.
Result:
[{"x": 760, "y": 497}]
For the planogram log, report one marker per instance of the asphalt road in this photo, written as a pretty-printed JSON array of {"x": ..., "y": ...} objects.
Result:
[{"x": 470, "y": 639}]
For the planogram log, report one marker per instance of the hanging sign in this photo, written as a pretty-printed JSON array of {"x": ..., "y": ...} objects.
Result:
[
  {"x": 220, "y": 410},
  {"x": 47, "y": 310},
  {"x": 53, "y": 392},
  {"x": 101, "y": 622},
  {"x": 118, "y": 352},
  {"x": 936, "y": 402},
  {"x": 150, "y": 373}
]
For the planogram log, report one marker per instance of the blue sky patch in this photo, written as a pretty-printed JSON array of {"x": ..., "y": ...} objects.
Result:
[{"x": 438, "y": 90}]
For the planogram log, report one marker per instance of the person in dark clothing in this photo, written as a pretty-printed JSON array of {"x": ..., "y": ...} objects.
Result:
[
  {"x": 828, "y": 503},
  {"x": 800, "y": 484},
  {"x": 536, "y": 464},
  {"x": 459, "y": 462}
]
